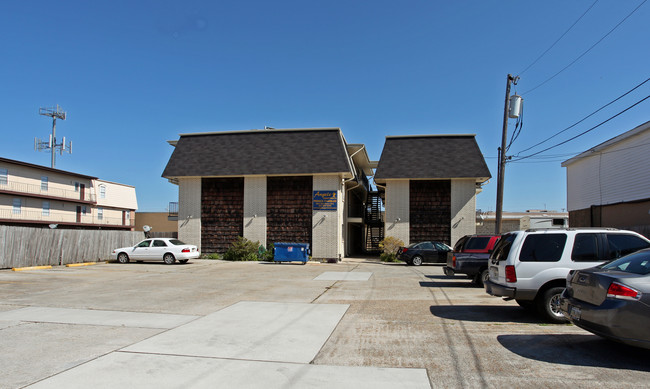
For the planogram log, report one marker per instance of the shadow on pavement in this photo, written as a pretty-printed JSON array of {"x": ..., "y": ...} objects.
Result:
[
  {"x": 449, "y": 284},
  {"x": 577, "y": 350},
  {"x": 490, "y": 313}
]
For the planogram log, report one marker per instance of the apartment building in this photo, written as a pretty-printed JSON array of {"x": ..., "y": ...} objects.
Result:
[{"x": 38, "y": 196}]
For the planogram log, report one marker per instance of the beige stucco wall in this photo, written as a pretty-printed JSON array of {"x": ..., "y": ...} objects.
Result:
[
  {"x": 158, "y": 221},
  {"x": 327, "y": 233},
  {"x": 189, "y": 211},
  {"x": 28, "y": 180},
  {"x": 463, "y": 208},
  {"x": 117, "y": 195},
  {"x": 255, "y": 209},
  {"x": 397, "y": 210}
]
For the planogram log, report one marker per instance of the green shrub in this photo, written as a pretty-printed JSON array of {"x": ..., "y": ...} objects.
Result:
[
  {"x": 389, "y": 247},
  {"x": 242, "y": 250},
  {"x": 211, "y": 256},
  {"x": 266, "y": 254}
]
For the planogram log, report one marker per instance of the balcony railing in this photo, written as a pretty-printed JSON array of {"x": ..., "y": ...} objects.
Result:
[
  {"x": 54, "y": 217},
  {"x": 173, "y": 209},
  {"x": 51, "y": 191}
]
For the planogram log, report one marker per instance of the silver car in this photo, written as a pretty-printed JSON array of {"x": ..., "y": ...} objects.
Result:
[
  {"x": 612, "y": 300},
  {"x": 157, "y": 249}
]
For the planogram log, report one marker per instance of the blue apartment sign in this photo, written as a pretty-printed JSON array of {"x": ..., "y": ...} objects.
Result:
[{"x": 324, "y": 200}]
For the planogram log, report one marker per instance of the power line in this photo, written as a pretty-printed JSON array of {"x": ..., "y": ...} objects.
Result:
[
  {"x": 586, "y": 117},
  {"x": 585, "y": 132},
  {"x": 588, "y": 50},
  {"x": 562, "y": 157},
  {"x": 558, "y": 39}
]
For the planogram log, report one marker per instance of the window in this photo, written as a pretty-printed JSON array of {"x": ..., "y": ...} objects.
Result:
[
  {"x": 76, "y": 187},
  {"x": 17, "y": 206},
  {"x": 46, "y": 208},
  {"x": 426, "y": 246},
  {"x": 3, "y": 176},
  {"x": 558, "y": 222},
  {"x": 44, "y": 181},
  {"x": 543, "y": 248},
  {"x": 84, "y": 210},
  {"x": 102, "y": 191},
  {"x": 127, "y": 215},
  {"x": 159, "y": 243},
  {"x": 477, "y": 243},
  {"x": 502, "y": 249},
  {"x": 100, "y": 213},
  {"x": 622, "y": 244},
  {"x": 585, "y": 248},
  {"x": 144, "y": 243}
]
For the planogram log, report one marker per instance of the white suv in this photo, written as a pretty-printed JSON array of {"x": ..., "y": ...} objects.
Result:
[{"x": 531, "y": 266}]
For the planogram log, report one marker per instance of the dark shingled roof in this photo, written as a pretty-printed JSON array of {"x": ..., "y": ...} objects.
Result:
[
  {"x": 264, "y": 152},
  {"x": 431, "y": 157}
]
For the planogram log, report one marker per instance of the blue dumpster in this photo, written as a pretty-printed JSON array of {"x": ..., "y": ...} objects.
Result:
[{"x": 291, "y": 252}]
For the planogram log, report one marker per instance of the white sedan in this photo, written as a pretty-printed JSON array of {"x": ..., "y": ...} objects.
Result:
[{"x": 156, "y": 249}]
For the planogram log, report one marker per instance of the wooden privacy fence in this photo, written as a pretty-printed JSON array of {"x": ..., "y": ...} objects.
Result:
[{"x": 25, "y": 246}]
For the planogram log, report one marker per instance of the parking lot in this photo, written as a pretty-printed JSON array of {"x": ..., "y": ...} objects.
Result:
[{"x": 358, "y": 323}]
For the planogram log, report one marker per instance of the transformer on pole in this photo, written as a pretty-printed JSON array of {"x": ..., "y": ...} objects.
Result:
[{"x": 50, "y": 144}]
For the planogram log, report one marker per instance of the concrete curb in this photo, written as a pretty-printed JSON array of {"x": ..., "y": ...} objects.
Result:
[
  {"x": 31, "y": 268},
  {"x": 82, "y": 264}
]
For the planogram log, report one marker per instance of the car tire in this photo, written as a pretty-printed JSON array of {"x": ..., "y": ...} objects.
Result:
[
  {"x": 416, "y": 261},
  {"x": 548, "y": 305},
  {"x": 169, "y": 258},
  {"x": 481, "y": 277},
  {"x": 122, "y": 258},
  {"x": 183, "y": 260}
]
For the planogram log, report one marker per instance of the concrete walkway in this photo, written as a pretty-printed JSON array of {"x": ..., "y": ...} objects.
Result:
[{"x": 246, "y": 345}]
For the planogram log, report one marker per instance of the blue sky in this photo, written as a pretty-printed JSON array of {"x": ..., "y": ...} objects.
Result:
[{"x": 132, "y": 75}]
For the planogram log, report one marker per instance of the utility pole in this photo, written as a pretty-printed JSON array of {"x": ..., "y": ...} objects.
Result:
[
  {"x": 502, "y": 156},
  {"x": 54, "y": 113}
]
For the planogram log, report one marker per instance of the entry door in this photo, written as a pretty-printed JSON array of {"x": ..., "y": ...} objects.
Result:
[
  {"x": 82, "y": 192},
  {"x": 78, "y": 214}
]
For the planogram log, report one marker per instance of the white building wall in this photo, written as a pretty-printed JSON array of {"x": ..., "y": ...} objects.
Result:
[
  {"x": 255, "y": 209},
  {"x": 397, "y": 210},
  {"x": 463, "y": 208},
  {"x": 189, "y": 211},
  {"x": 327, "y": 233},
  {"x": 615, "y": 174}
]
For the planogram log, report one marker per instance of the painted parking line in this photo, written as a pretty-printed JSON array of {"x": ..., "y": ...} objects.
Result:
[
  {"x": 133, "y": 370},
  {"x": 263, "y": 331},
  {"x": 96, "y": 317},
  {"x": 344, "y": 276}
]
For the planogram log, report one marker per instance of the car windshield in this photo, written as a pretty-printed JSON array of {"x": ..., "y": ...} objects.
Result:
[
  {"x": 176, "y": 242},
  {"x": 637, "y": 263}
]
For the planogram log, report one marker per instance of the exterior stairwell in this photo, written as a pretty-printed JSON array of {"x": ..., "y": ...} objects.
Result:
[{"x": 373, "y": 223}]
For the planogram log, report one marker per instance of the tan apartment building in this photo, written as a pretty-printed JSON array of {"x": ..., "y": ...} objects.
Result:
[
  {"x": 38, "y": 196},
  {"x": 429, "y": 185},
  {"x": 311, "y": 186}
]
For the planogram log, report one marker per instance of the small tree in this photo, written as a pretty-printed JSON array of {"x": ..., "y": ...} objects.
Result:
[
  {"x": 389, "y": 247},
  {"x": 242, "y": 250}
]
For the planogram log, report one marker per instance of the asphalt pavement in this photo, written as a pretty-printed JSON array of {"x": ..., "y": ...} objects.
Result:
[{"x": 358, "y": 323}]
